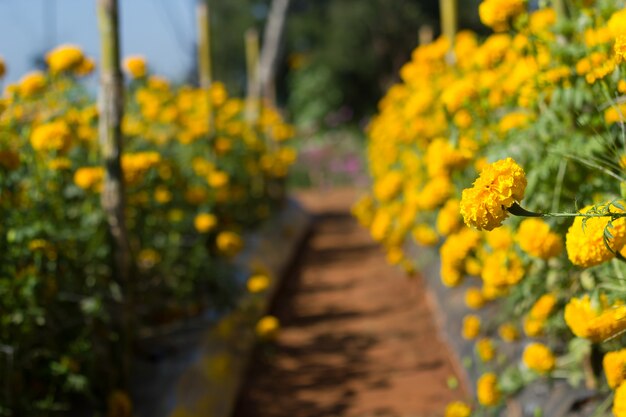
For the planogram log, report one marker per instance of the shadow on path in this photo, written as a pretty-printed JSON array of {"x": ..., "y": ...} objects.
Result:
[{"x": 357, "y": 338}]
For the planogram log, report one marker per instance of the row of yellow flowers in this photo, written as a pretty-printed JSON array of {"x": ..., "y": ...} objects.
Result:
[
  {"x": 192, "y": 189},
  {"x": 534, "y": 112}
]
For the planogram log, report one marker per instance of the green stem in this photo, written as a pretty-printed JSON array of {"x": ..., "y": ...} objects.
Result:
[{"x": 518, "y": 210}]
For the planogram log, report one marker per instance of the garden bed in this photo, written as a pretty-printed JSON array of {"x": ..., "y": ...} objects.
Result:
[
  {"x": 195, "y": 367},
  {"x": 541, "y": 397}
]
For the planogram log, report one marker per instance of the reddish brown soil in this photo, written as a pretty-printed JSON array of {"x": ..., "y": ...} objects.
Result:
[{"x": 357, "y": 338}]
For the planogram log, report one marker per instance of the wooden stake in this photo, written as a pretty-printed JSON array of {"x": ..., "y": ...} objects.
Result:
[
  {"x": 449, "y": 18},
  {"x": 252, "y": 66},
  {"x": 205, "y": 68},
  {"x": 111, "y": 109},
  {"x": 272, "y": 37}
]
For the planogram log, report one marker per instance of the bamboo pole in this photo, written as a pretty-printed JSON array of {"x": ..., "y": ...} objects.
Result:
[
  {"x": 272, "y": 37},
  {"x": 111, "y": 109},
  {"x": 449, "y": 18},
  {"x": 252, "y": 66},
  {"x": 205, "y": 65},
  {"x": 559, "y": 8}
]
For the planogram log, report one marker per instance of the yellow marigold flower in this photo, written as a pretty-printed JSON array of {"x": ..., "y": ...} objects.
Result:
[
  {"x": 267, "y": 328},
  {"x": 258, "y": 283},
  {"x": 217, "y": 179},
  {"x": 229, "y": 243},
  {"x": 435, "y": 192},
  {"x": 388, "y": 186},
  {"x": 485, "y": 349},
  {"x": 533, "y": 327},
  {"x": 441, "y": 157},
  {"x": 119, "y": 404},
  {"x": 508, "y": 332},
  {"x": 619, "y": 402},
  {"x": 488, "y": 391},
  {"x": 499, "y": 186},
  {"x": 586, "y": 247},
  {"x": 218, "y": 94},
  {"x": 454, "y": 252},
  {"x": 502, "y": 269},
  {"x": 32, "y": 83},
  {"x": 135, "y": 165},
  {"x": 473, "y": 266},
  {"x": 52, "y": 136},
  {"x": 596, "y": 323},
  {"x": 395, "y": 255},
  {"x": 162, "y": 195},
  {"x": 542, "y": 19},
  {"x": 458, "y": 409},
  {"x": 59, "y": 164},
  {"x": 449, "y": 218},
  {"x": 539, "y": 358},
  {"x": 617, "y": 23},
  {"x": 621, "y": 87},
  {"x": 471, "y": 327},
  {"x": 474, "y": 298},
  {"x": 89, "y": 178},
  {"x": 536, "y": 239},
  {"x": 148, "y": 258},
  {"x": 543, "y": 307},
  {"x": 64, "y": 58},
  {"x": 425, "y": 235},
  {"x": 615, "y": 114},
  {"x": 620, "y": 48},
  {"x": 381, "y": 224},
  {"x": 497, "y": 13},
  {"x": 136, "y": 66},
  {"x": 86, "y": 67},
  {"x": 515, "y": 120},
  {"x": 205, "y": 222},
  {"x": 500, "y": 238},
  {"x": 614, "y": 364}
]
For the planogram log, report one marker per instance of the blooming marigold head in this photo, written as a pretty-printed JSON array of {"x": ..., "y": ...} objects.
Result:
[
  {"x": 205, "y": 222},
  {"x": 619, "y": 402},
  {"x": 488, "y": 391},
  {"x": 499, "y": 186},
  {"x": 586, "y": 245},
  {"x": 136, "y": 66},
  {"x": 229, "y": 243},
  {"x": 471, "y": 326},
  {"x": 508, "y": 332},
  {"x": 458, "y": 409},
  {"x": 64, "y": 58},
  {"x": 485, "y": 349},
  {"x": 497, "y": 13},
  {"x": 539, "y": 358},
  {"x": 268, "y": 327},
  {"x": 614, "y": 364},
  {"x": 32, "y": 83},
  {"x": 536, "y": 239}
]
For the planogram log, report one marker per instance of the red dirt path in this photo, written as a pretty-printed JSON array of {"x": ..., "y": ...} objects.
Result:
[{"x": 357, "y": 337}]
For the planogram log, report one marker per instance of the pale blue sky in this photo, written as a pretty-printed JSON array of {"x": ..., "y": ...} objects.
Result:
[{"x": 161, "y": 30}]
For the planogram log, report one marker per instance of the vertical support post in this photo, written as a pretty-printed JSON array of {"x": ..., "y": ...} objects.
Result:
[
  {"x": 449, "y": 18},
  {"x": 205, "y": 68},
  {"x": 252, "y": 66},
  {"x": 271, "y": 43},
  {"x": 559, "y": 8},
  {"x": 111, "y": 110}
]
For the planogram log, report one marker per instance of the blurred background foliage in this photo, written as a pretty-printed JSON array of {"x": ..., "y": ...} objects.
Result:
[
  {"x": 338, "y": 56},
  {"x": 337, "y": 59}
]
